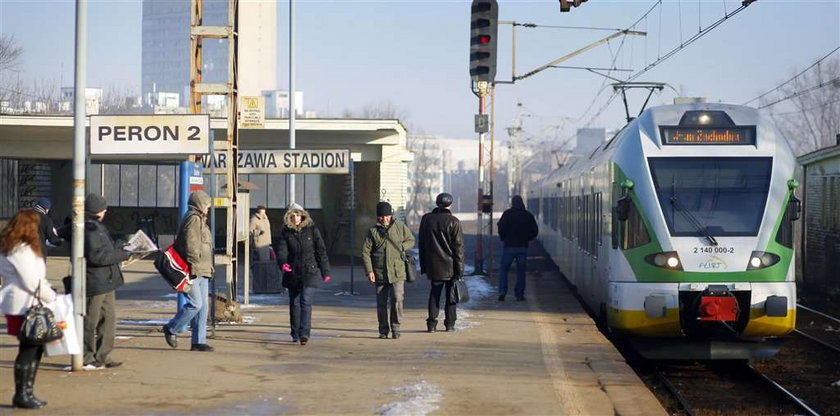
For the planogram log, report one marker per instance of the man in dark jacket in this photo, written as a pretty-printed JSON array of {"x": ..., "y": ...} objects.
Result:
[
  {"x": 102, "y": 279},
  {"x": 517, "y": 228},
  {"x": 46, "y": 228},
  {"x": 383, "y": 254},
  {"x": 441, "y": 258}
]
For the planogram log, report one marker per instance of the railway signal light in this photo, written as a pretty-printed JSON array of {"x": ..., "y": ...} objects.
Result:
[
  {"x": 566, "y": 5},
  {"x": 484, "y": 25}
]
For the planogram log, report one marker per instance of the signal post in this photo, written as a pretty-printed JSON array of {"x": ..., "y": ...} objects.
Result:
[{"x": 484, "y": 21}]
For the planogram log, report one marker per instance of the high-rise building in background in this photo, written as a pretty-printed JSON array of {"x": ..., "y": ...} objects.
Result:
[{"x": 166, "y": 48}]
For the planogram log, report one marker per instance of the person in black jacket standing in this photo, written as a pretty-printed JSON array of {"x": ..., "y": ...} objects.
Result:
[
  {"x": 517, "y": 228},
  {"x": 441, "y": 258},
  {"x": 103, "y": 277},
  {"x": 46, "y": 228},
  {"x": 302, "y": 256}
]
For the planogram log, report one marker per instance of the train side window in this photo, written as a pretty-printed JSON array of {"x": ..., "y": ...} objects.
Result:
[{"x": 633, "y": 231}]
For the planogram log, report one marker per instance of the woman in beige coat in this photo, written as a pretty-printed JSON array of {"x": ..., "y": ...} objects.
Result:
[{"x": 24, "y": 274}]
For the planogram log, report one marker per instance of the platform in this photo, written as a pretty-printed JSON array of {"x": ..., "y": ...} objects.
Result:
[{"x": 537, "y": 357}]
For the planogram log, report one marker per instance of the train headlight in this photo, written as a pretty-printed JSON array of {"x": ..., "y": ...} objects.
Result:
[
  {"x": 666, "y": 260},
  {"x": 761, "y": 259}
]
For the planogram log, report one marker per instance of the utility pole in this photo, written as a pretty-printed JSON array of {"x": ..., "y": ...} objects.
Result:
[
  {"x": 77, "y": 257},
  {"x": 292, "y": 93}
]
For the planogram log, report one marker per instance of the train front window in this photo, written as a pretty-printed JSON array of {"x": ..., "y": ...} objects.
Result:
[{"x": 712, "y": 196}]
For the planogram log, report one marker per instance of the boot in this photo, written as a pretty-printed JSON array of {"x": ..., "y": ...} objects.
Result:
[
  {"x": 24, "y": 383},
  {"x": 35, "y": 366},
  {"x": 431, "y": 326}
]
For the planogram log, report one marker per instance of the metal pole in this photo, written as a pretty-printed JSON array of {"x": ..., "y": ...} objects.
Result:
[
  {"x": 77, "y": 258},
  {"x": 479, "y": 252},
  {"x": 213, "y": 232},
  {"x": 352, "y": 222},
  {"x": 291, "y": 93},
  {"x": 492, "y": 178}
]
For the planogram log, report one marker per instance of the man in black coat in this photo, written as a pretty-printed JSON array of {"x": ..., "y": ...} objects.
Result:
[
  {"x": 441, "y": 258},
  {"x": 517, "y": 228},
  {"x": 103, "y": 277},
  {"x": 46, "y": 228}
]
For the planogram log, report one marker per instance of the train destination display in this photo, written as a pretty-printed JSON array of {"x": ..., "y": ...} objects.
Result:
[
  {"x": 744, "y": 135},
  {"x": 284, "y": 161}
]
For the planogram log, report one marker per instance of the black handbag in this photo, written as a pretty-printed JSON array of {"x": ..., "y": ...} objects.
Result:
[
  {"x": 39, "y": 327},
  {"x": 460, "y": 293},
  {"x": 409, "y": 261}
]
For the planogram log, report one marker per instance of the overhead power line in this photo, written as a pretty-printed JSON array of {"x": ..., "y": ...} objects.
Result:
[
  {"x": 776, "y": 88},
  {"x": 798, "y": 93}
]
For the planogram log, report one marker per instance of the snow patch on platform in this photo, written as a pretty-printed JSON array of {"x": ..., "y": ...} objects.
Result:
[
  {"x": 479, "y": 290},
  {"x": 421, "y": 398},
  {"x": 155, "y": 304},
  {"x": 141, "y": 322}
]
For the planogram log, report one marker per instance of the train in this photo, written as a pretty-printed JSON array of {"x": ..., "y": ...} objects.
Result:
[{"x": 677, "y": 232}]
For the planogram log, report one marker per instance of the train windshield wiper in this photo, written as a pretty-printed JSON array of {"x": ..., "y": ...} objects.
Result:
[{"x": 691, "y": 218}]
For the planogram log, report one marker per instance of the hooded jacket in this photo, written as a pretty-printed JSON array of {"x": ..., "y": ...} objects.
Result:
[
  {"x": 381, "y": 257},
  {"x": 194, "y": 238},
  {"x": 441, "y": 245},
  {"x": 302, "y": 247},
  {"x": 23, "y": 271},
  {"x": 103, "y": 258},
  {"x": 517, "y": 226}
]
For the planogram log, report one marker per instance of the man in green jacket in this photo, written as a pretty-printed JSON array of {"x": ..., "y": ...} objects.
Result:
[{"x": 384, "y": 254}]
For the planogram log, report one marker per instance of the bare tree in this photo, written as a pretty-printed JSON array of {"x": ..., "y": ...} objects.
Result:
[
  {"x": 10, "y": 53},
  {"x": 810, "y": 116},
  {"x": 118, "y": 99}
]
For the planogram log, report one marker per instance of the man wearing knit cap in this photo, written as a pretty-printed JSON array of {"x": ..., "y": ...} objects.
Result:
[
  {"x": 103, "y": 277},
  {"x": 46, "y": 227},
  {"x": 384, "y": 255}
]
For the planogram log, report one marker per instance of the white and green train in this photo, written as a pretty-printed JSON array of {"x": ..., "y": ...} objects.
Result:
[{"x": 678, "y": 232}]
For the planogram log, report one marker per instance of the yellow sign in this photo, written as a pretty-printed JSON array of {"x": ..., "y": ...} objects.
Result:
[
  {"x": 220, "y": 202},
  {"x": 251, "y": 112}
]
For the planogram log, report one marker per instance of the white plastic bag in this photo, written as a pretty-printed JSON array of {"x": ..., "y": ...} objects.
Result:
[{"x": 69, "y": 343}]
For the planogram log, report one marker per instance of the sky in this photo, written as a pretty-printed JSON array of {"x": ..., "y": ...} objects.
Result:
[{"x": 414, "y": 54}]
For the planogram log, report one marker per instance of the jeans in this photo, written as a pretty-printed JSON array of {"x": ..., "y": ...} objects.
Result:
[
  {"x": 300, "y": 311},
  {"x": 439, "y": 286},
  {"x": 520, "y": 254},
  {"x": 194, "y": 312},
  {"x": 100, "y": 328},
  {"x": 395, "y": 292}
]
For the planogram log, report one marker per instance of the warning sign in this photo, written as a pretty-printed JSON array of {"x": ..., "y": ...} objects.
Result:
[{"x": 251, "y": 112}]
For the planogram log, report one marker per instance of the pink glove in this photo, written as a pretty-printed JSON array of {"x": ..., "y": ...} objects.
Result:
[
  {"x": 287, "y": 268},
  {"x": 326, "y": 279}
]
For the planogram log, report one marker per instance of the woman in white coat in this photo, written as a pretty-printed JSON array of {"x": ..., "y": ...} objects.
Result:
[{"x": 24, "y": 274}]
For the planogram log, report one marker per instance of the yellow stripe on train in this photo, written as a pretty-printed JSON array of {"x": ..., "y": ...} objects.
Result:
[
  {"x": 762, "y": 325},
  {"x": 638, "y": 323}
]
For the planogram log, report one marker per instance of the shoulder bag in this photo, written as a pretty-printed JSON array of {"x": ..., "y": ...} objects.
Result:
[
  {"x": 409, "y": 261},
  {"x": 39, "y": 327},
  {"x": 460, "y": 293}
]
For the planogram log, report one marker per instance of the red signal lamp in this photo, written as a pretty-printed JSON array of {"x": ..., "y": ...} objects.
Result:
[{"x": 484, "y": 39}]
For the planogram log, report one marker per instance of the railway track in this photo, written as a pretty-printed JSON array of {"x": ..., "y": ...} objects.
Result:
[
  {"x": 822, "y": 331},
  {"x": 727, "y": 388}
]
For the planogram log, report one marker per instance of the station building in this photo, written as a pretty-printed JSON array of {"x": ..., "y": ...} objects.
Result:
[
  {"x": 36, "y": 160},
  {"x": 821, "y": 207}
]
